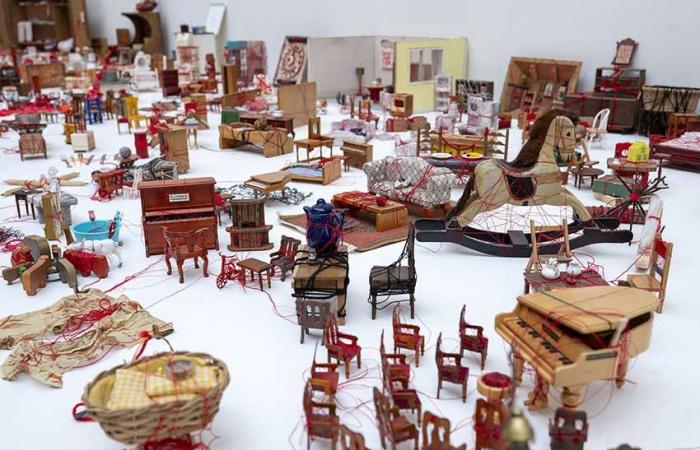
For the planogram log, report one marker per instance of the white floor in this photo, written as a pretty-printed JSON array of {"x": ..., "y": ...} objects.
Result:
[{"x": 262, "y": 408}]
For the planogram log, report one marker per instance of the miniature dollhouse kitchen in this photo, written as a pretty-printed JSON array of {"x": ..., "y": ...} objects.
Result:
[{"x": 293, "y": 225}]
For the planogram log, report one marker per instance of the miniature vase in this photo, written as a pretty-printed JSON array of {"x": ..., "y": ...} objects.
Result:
[{"x": 324, "y": 228}]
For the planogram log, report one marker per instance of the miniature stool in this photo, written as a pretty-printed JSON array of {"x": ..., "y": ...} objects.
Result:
[
  {"x": 21, "y": 195},
  {"x": 256, "y": 266}
]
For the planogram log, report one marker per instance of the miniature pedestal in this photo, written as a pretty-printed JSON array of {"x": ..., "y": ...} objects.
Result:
[
  {"x": 248, "y": 230},
  {"x": 323, "y": 278},
  {"x": 83, "y": 142}
]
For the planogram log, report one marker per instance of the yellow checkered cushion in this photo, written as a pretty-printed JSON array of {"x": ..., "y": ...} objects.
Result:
[
  {"x": 129, "y": 390},
  {"x": 161, "y": 385}
]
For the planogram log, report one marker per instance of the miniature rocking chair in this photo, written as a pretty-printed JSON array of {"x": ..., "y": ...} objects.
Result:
[
  {"x": 399, "y": 278},
  {"x": 341, "y": 346},
  {"x": 471, "y": 337},
  {"x": 284, "y": 257},
  {"x": 407, "y": 336},
  {"x": 185, "y": 245}
]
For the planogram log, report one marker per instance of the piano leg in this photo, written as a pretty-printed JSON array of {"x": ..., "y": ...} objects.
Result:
[
  {"x": 518, "y": 366},
  {"x": 572, "y": 396},
  {"x": 621, "y": 373},
  {"x": 537, "y": 398}
]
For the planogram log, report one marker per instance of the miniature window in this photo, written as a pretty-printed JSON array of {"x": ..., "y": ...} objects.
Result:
[{"x": 426, "y": 63}]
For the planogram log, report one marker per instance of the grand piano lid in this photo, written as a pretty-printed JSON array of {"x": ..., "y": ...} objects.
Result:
[{"x": 591, "y": 309}]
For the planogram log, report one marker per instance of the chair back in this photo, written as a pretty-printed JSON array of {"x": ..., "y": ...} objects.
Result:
[
  {"x": 131, "y": 106},
  {"x": 439, "y": 353},
  {"x": 569, "y": 426},
  {"x": 313, "y": 313},
  {"x": 600, "y": 121},
  {"x": 314, "y": 127},
  {"x": 383, "y": 411},
  {"x": 660, "y": 262},
  {"x": 435, "y": 432},
  {"x": 289, "y": 246},
  {"x": 410, "y": 251},
  {"x": 330, "y": 332},
  {"x": 349, "y": 440}
]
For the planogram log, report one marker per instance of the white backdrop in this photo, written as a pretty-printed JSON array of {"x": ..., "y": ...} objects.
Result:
[{"x": 497, "y": 30}]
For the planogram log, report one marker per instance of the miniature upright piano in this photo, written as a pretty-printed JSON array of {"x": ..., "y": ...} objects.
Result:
[
  {"x": 179, "y": 205},
  {"x": 574, "y": 336}
]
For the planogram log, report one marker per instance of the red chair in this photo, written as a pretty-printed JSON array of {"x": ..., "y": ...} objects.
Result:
[
  {"x": 324, "y": 376},
  {"x": 341, "y": 346},
  {"x": 392, "y": 425},
  {"x": 407, "y": 336},
  {"x": 394, "y": 366},
  {"x": 436, "y": 433},
  {"x": 350, "y": 440},
  {"x": 450, "y": 369},
  {"x": 569, "y": 430},
  {"x": 395, "y": 382},
  {"x": 471, "y": 337},
  {"x": 321, "y": 419}
]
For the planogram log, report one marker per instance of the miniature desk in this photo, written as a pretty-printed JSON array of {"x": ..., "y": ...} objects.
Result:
[
  {"x": 323, "y": 278},
  {"x": 255, "y": 266},
  {"x": 387, "y": 217},
  {"x": 268, "y": 182},
  {"x": 536, "y": 282},
  {"x": 636, "y": 167},
  {"x": 284, "y": 122}
]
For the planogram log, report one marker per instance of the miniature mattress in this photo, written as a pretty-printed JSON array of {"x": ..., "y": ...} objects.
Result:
[
  {"x": 684, "y": 150},
  {"x": 306, "y": 171}
]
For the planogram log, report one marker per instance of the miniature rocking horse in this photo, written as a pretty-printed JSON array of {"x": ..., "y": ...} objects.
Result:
[{"x": 532, "y": 179}]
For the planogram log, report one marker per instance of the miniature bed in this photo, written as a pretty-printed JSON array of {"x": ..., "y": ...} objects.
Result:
[
  {"x": 683, "y": 151},
  {"x": 272, "y": 142},
  {"x": 325, "y": 172}
]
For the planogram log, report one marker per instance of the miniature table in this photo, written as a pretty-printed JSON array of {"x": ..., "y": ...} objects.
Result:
[
  {"x": 391, "y": 215},
  {"x": 284, "y": 122},
  {"x": 634, "y": 167},
  {"x": 21, "y": 195},
  {"x": 269, "y": 182},
  {"x": 255, "y": 266},
  {"x": 586, "y": 172},
  {"x": 322, "y": 278},
  {"x": 538, "y": 283},
  {"x": 311, "y": 144}
]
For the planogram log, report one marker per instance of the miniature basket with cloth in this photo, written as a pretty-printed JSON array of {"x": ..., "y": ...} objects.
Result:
[{"x": 141, "y": 402}]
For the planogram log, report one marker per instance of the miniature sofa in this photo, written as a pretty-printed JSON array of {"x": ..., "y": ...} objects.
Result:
[
  {"x": 419, "y": 183},
  {"x": 352, "y": 130}
]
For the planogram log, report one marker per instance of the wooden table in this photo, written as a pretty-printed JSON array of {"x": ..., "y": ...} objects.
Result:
[
  {"x": 387, "y": 217},
  {"x": 536, "y": 282},
  {"x": 323, "y": 278},
  {"x": 21, "y": 195},
  {"x": 284, "y": 122},
  {"x": 311, "y": 144},
  {"x": 269, "y": 182},
  {"x": 255, "y": 266},
  {"x": 634, "y": 167}
]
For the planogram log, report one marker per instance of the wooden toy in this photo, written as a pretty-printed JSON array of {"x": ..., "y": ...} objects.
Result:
[
  {"x": 179, "y": 205},
  {"x": 568, "y": 430},
  {"x": 170, "y": 82},
  {"x": 392, "y": 425},
  {"x": 386, "y": 214},
  {"x": 364, "y": 111},
  {"x": 471, "y": 338},
  {"x": 248, "y": 230},
  {"x": 31, "y": 141},
  {"x": 321, "y": 419},
  {"x": 148, "y": 34},
  {"x": 656, "y": 279},
  {"x": 398, "y": 278},
  {"x": 325, "y": 171},
  {"x": 109, "y": 183},
  {"x": 284, "y": 122},
  {"x": 271, "y": 141},
  {"x": 490, "y": 412},
  {"x": 268, "y": 183},
  {"x": 183, "y": 245},
  {"x": 350, "y": 440},
  {"x": 174, "y": 146},
  {"x": 313, "y": 314},
  {"x": 104, "y": 247},
  {"x": 436, "y": 433},
  {"x": 395, "y": 369},
  {"x": 284, "y": 257},
  {"x": 402, "y": 105},
  {"x": 341, "y": 346},
  {"x": 83, "y": 142},
  {"x": 324, "y": 375},
  {"x": 257, "y": 267},
  {"x": 358, "y": 154},
  {"x": 315, "y": 140},
  {"x": 553, "y": 332},
  {"x": 450, "y": 369},
  {"x": 86, "y": 263},
  {"x": 407, "y": 336},
  {"x": 322, "y": 278}
]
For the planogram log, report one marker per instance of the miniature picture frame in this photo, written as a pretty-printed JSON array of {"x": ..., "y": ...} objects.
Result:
[{"x": 625, "y": 52}]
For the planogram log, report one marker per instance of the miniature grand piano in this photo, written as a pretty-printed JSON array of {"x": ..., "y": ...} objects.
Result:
[{"x": 574, "y": 336}]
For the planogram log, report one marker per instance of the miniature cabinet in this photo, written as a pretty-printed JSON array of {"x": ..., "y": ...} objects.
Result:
[
  {"x": 173, "y": 146},
  {"x": 402, "y": 105},
  {"x": 248, "y": 230},
  {"x": 443, "y": 84},
  {"x": 51, "y": 21}
]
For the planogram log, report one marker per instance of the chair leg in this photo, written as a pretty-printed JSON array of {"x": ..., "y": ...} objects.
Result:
[
  {"x": 302, "y": 335},
  {"x": 170, "y": 268},
  {"x": 374, "y": 307},
  {"x": 439, "y": 387},
  {"x": 413, "y": 301},
  {"x": 196, "y": 262},
  {"x": 179, "y": 270},
  {"x": 464, "y": 392},
  {"x": 483, "y": 359},
  {"x": 347, "y": 368},
  {"x": 205, "y": 266},
  {"x": 359, "y": 359}
]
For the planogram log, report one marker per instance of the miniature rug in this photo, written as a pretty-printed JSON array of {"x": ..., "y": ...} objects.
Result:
[{"x": 360, "y": 236}]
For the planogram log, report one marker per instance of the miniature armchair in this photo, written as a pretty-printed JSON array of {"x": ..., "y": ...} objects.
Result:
[
  {"x": 394, "y": 366},
  {"x": 185, "y": 245},
  {"x": 450, "y": 369},
  {"x": 341, "y": 346},
  {"x": 284, "y": 257},
  {"x": 407, "y": 336},
  {"x": 324, "y": 376},
  {"x": 392, "y": 426},
  {"x": 399, "y": 278},
  {"x": 471, "y": 337},
  {"x": 659, "y": 266},
  {"x": 568, "y": 430},
  {"x": 321, "y": 419},
  {"x": 349, "y": 440},
  {"x": 313, "y": 314},
  {"x": 488, "y": 422},
  {"x": 436, "y": 433},
  {"x": 395, "y": 382}
]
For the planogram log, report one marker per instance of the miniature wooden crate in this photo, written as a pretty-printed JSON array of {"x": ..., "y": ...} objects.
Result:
[
  {"x": 32, "y": 144},
  {"x": 610, "y": 185},
  {"x": 83, "y": 142}
]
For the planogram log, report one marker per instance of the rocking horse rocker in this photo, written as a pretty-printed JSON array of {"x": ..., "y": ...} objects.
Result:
[{"x": 532, "y": 179}]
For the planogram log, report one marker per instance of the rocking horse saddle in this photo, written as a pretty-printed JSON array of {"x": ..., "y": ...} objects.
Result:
[{"x": 520, "y": 184}]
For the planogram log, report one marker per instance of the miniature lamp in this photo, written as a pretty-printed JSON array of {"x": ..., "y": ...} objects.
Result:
[{"x": 517, "y": 431}]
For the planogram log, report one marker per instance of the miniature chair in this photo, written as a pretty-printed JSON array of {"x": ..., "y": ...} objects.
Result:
[
  {"x": 341, "y": 346},
  {"x": 395, "y": 381},
  {"x": 399, "y": 278},
  {"x": 471, "y": 337},
  {"x": 321, "y": 419},
  {"x": 325, "y": 375},
  {"x": 407, "y": 336},
  {"x": 392, "y": 425},
  {"x": 314, "y": 314},
  {"x": 488, "y": 421},
  {"x": 284, "y": 257},
  {"x": 450, "y": 369},
  {"x": 131, "y": 107},
  {"x": 314, "y": 140},
  {"x": 349, "y": 440},
  {"x": 597, "y": 132},
  {"x": 436, "y": 433},
  {"x": 569, "y": 430},
  {"x": 133, "y": 190},
  {"x": 394, "y": 366},
  {"x": 657, "y": 277},
  {"x": 185, "y": 245}
]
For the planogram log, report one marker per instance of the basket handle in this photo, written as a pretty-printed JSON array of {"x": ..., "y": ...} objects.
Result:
[{"x": 81, "y": 416}]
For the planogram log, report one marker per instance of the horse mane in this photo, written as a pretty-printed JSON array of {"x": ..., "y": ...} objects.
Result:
[{"x": 530, "y": 152}]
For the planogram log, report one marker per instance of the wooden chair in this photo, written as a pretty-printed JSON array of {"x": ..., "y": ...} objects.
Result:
[
  {"x": 314, "y": 140},
  {"x": 313, "y": 314},
  {"x": 284, "y": 257},
  {"x": 450, "y": 369},
  {"x": 568, "y": 430},
  {"x": 341, "y": 346},
  {"x": 395, "y": 382},
  {"x": 186, "y": 245},
  {"x": 489, "y": 418},
  {"x": 407, "y": 336},
  {"x": 399, "y": 278},
  {"x": 394, "y": 366},
  {"x": 324, "y": 375},
  {"x": 436, "y": 433},
  {"x": 471, "y": 337},
  {"x": 392, "y": 425},
  {"x": 131, "y": 111},
  {"x": 656, "y": 279},
  {"x": 119, "y": 111},
  {"x": 349, "y": 440},
  {"x": 321, "y": 419}
]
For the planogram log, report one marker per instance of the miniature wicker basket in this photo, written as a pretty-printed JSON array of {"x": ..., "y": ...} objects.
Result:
[{"x": 159, "y": 421}]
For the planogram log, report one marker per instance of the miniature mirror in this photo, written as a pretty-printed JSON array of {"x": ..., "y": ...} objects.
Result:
[{"x": 625, "y": 52}]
